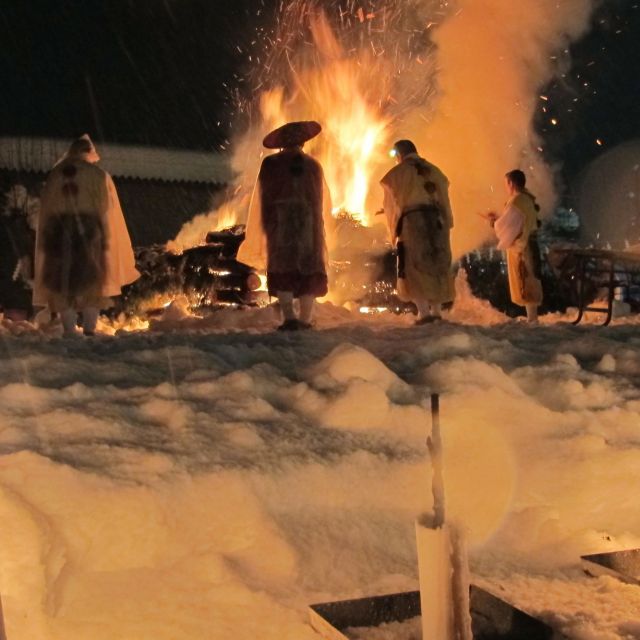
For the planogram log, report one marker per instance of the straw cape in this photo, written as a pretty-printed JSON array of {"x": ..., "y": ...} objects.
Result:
[
  {"x": 289, "y": 212},
  {"x": 83, "y": 250},
  {"x": 416, "y": 203}
]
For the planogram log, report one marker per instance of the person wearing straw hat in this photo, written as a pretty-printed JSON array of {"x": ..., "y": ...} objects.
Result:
[
  {"x": 418, "y": 211},
  {"x": 83, "y": 250},
  {"x": 285, "y": 232}
]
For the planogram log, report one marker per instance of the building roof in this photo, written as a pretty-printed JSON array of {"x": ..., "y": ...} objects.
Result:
[{"x": 121, "y": 161}]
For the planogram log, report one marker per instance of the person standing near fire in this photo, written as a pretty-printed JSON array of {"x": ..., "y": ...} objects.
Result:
[
  {"x": 285, "y": 232},
  {"x": 418, "y": 211},
  {"x": 83, "y": 250},
  {"x": 516, "y": 229},
  {"x": 17, "y": 243}
]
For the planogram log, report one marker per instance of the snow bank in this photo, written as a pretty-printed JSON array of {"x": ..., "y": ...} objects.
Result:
[{"x": 208, "y": 483}]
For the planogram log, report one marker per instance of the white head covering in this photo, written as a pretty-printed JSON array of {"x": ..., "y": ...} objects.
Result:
[{"x": 81, "y": 148}]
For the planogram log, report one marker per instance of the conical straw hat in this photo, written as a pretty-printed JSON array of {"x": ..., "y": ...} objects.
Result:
[{"x": 292, "y": 134}]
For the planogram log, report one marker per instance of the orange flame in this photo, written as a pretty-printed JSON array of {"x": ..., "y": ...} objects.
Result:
[
  {"x": 332, "y": 91},
  {"x": 227, "y": 216},
  {"x": 344, "y": 93}
]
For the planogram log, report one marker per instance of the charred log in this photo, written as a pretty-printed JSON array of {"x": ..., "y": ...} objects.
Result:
[{"x": 208, "y": 275}]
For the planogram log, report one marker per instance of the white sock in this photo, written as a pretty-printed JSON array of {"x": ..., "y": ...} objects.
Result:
[
  {"x": 307, "y": 304},
  {"x": 90, "y": 319},
  {"x": 532, "y": 312},
  {"x": 285, "y": 298},
  {"x": 69, "y": 319}
]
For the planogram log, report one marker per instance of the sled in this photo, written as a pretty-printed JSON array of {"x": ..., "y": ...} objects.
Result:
[
  {"x": 624, "y": 565},
  {"x": 603, "y": 269},
  {"x": 492, "y": 618}
]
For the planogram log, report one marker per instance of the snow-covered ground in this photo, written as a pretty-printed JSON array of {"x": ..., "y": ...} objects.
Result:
[{"x": 209, "y": 478}]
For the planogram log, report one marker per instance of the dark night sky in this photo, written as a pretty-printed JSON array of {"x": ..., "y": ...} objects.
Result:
[
  {"x": 163, "y": 72},
  {"x": 599, "y": 99},
  {"x": 156, "y": 68}
]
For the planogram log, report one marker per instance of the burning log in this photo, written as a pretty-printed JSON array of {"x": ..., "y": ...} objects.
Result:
[
  {"x": 227, "y": 240},
  {"x": 207, "y": 275},
  {"x": 362, "y": 270}
]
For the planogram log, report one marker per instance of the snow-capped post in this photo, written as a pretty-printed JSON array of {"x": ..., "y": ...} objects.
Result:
[{"x": 442, "y": 559}]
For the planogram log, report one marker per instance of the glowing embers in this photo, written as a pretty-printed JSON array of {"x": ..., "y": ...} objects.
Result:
[
  {"x": 373, "y": 310},
  {"x": 205, "y": 276},
  {"x": 263, "y": 282}
]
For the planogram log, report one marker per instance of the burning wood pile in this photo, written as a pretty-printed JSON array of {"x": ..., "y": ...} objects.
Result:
[
  {"x": 362, "y": 271},
  {"x": 207, "y": 275}
]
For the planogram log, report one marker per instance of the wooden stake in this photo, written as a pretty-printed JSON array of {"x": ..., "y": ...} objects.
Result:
[
  {"x": 3, "y": 634},
  {"x": 434, "y": 444},
  {"x": 442, "y": 556}
]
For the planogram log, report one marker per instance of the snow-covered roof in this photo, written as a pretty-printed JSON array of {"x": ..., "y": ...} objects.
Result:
[{"x": 147, "y": 163}]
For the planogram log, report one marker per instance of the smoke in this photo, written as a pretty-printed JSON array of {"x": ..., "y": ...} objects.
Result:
[
  {"x": 462, "y": 79},
  {"x": 222, "y": 216},
  {"x": 609, "y": 198},
  {"x": 493, "y": 57},
  {"x": 246, "y": 158}
]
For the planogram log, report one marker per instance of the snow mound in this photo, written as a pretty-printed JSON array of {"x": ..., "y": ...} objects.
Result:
[
  {"x": 348, "y": 362},
  {"x": 362, "y": 393},
  {"x": 196, "y": 484},
  {"x": 471, "y": 310}
]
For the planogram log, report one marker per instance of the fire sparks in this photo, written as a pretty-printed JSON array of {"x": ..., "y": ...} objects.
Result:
[
  {"x": 334, "y": 91},
  {"x": 355, "y": 75}
]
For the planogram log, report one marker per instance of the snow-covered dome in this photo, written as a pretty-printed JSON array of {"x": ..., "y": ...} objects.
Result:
[{"x": 609, "y": 197}]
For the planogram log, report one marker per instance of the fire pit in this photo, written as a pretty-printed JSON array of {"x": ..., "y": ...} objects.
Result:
[
  {"x": 208, "y": 275},
  {"x": 362, "y": 270}
]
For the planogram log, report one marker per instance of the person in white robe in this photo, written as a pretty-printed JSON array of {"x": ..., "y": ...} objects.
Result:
[
  {"x": 83, "y": 250},
  {"x": 419, "y": 217},
  {"x": 516, "y": 230}
]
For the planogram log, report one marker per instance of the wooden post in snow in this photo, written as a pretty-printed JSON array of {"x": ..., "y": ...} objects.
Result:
[
  {"x": 3, "y": 634},
  {"x": 434, "y": 444}
]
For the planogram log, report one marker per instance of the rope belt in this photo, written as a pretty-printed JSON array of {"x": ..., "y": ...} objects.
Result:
[{"x": 425, "y": 209}]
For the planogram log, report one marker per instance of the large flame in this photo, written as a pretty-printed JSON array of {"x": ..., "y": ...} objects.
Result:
[
  {"x": 452, "y": 76},
  {"x": 337, "y": 90},
  {"x": 346, "y": 86}
]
